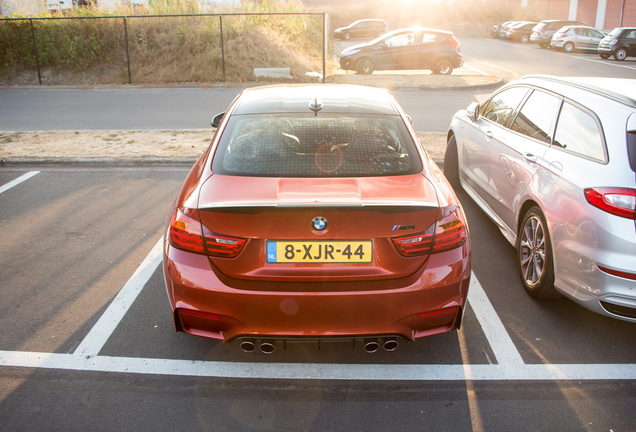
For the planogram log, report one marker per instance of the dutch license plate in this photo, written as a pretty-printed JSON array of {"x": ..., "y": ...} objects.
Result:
[{"x": 319, "y": 251}]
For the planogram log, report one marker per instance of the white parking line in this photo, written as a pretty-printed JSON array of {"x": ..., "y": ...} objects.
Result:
[
  {"x": 101, "y": 331},
  {"x": 17, "y": 181},
  {"x": 510, "y": 364}
]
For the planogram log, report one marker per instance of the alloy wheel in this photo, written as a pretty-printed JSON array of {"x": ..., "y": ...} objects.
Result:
[{"x": 532, "y": 251}]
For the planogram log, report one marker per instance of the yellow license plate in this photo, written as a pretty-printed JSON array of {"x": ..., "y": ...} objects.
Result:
[{"x": 319, "y": 251}]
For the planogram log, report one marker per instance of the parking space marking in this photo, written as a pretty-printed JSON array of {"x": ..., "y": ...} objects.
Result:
[
  {"x": 17, "y": 181},
  {"x": 476, "y": 70},
  {"x": 498, "y": 338},
  {"x": 101, "y": 331},
  {"x": 318, "y": 371},
  {"x": 510, "y": 364}
]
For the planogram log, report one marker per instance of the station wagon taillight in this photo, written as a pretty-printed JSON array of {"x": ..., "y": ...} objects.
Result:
[
  {"x": 615, "y": 200},
  {"x": 190, "y": 235},
  {"x": 446, "y": 234}
]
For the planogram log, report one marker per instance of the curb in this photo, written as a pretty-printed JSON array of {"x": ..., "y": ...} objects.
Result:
[{"x": 107, "y": 162}]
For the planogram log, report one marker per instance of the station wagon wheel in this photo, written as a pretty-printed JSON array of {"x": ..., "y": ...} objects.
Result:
[
  {"x": 365, "y": 66},
  {"x": 451, "y": 163},
  {"x": 568, "y": 47},
  {"x": 534, "y": 252},
  {"x": 524, "y": 38},
  {"x": 620, "y": 54},
  {"x": 443, "y": 66},
  {"x": 604, "y": 56}
]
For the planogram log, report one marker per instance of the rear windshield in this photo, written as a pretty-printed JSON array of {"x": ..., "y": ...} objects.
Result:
[{"x": 275, "y": 146}]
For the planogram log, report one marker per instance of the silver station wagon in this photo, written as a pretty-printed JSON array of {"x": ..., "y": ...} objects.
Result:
[{"x": 552, "y": 161}]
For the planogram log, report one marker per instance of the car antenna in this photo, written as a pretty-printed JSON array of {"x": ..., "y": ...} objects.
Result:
[{"x": 315, "y": 105}]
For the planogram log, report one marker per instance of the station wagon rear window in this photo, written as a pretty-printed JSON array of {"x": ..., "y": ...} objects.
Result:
[{"x": 309, "y": 146}]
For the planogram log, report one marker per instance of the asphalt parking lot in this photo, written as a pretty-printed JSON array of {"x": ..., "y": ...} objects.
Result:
[{"x": 91, "y": 297}]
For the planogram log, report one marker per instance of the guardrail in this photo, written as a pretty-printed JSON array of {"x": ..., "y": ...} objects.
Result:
[{"x": 164, "y": 49}]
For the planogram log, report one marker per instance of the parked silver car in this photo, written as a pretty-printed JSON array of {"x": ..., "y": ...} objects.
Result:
[
  {"x": 552, "y": 161},
  {"x": 572, "y": 38}
]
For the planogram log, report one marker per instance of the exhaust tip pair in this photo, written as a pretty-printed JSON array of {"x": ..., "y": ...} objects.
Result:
[
  {"x": 266, "y": 347},
  {"x": 373, "y": 345}
]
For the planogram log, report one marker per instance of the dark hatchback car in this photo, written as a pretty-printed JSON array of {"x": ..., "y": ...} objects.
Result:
[
  {"x": 521, "y": 32},
  {"x": 621, "y": 43},
  {"x": 542, "y": 32},
  {"x": 405, "y": 49},
  {"x": 367, "y": 28}
]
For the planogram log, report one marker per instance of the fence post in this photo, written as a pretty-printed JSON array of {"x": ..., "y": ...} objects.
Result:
[
  {"x": 35, "y": 50},
  {"x": 222, "y": 49},
  {"x": 324, "y": 47},
  {"x": 127, "y": 51}
]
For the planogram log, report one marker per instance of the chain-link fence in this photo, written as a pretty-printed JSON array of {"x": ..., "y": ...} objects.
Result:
[{"x": 166, "y": 49}]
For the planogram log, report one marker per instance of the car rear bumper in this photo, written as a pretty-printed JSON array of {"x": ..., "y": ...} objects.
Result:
[{"x": 203, "y": 305}]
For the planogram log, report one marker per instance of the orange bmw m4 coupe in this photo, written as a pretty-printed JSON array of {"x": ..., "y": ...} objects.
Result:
[{"x": 315, "y": 215}]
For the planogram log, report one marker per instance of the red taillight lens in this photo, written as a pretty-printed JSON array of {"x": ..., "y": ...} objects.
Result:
[
  {"x": 220, "y": 246},
  {"x": 617, "y": 201},
  {"x": 185, "y": 233},
  {"x": 454, "y": 42},
  {"x": 563, "y": 36},
  {"x": 448, "y": 233},
  {"x": 189, "y": 235}
]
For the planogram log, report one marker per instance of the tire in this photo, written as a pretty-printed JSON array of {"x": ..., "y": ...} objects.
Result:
[
  {"x": 524, "y": 38},
  {"x": 534, "y": 254},
  {"x": 568, "y": 47},
  {"x": 604, "y": 56},
  {"x": 543, "y": 45},
  {"x": 451, "y": 163},
  {"x": 347, "y": 36},
  {"x": 365, "y": 66},
  {"x": 620, "y": 54},
  {"x": 443, "y": 66}
]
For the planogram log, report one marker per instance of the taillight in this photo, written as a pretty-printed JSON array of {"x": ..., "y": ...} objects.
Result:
[
  {"x": 185, "y": 233},
  {"x": 563, "y": 36},
  {"x": 446, "y": 234},
  {"x": 614, "y": 200},
  {"x": 614, "y": 42},
  {"x": 221, "y": 246},
  {"x": 454, "y": 42},
  {"x": 190, "y": 235}
]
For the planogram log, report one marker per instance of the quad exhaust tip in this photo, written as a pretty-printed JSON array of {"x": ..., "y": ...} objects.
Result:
[{"x": 370, "y": 345}]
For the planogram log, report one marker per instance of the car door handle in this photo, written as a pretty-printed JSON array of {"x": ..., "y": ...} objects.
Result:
[
  {"x": 530, "y": 157},
  {"x": 490, "y": 134}
]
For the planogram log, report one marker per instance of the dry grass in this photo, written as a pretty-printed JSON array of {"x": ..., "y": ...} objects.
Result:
[{"x": 131, "y": 144}]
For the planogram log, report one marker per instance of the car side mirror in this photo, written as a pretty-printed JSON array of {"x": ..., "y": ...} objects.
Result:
[
  {"x": 473, "y": 111},
  {"x": 216, "y": 120}
]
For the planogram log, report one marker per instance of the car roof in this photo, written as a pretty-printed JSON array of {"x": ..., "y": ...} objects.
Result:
[
  {"x": 296, "y": 98},
  {"x": 415, "y": 29},
  {"x": 621, "y": 90}
]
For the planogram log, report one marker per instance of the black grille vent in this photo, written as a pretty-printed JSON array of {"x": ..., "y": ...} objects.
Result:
[{"x": 623, "y": 311}]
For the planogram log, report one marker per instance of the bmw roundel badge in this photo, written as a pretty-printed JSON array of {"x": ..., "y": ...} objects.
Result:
[{"x": 319, "y": 223}]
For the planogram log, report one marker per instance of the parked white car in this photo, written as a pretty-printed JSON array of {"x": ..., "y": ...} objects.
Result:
[{"x": 552, "y": 161}]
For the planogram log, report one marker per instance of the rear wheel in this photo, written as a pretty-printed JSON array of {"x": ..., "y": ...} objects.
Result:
[
  {"x": 568, "y": 47},
  {"x": 451, "y": 163},
  {"x": 604, "y": 56},
  {"x": 443, "y": 66},
  {"x": 620, "y": 54},
  {"x": 524, "y": 38},
  {"x": 543, "y": 45},
  {"x": 365, "y": 66},
  {"x": 534, "y": 252}
]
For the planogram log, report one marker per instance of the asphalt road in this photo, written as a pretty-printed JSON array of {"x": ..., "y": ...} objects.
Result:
[{"x": 88, "y": 344}]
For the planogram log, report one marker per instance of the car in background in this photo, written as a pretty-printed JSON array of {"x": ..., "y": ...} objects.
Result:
[
  {"x": 570, "y": 38},
  {"x": 494, "y": 32},
  {"x": 552, "y": 161},
  {"x": 542, "y": 32},
  {"x": 503, "y": 31},
  {"x": 315, "y": 215},
  {"x": 405, "y": 49},
  {"x": 367, "y": 28},
  {"x": 621, "y": 43},
  {"x": 521, "y": 32}
]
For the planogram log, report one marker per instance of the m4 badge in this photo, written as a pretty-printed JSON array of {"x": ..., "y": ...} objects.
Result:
[{"x": 402, "y": 227}]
